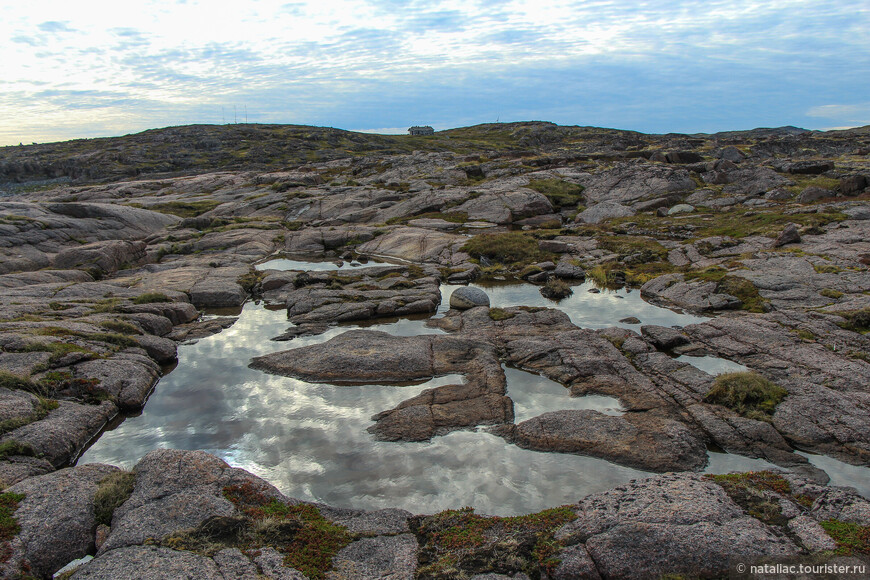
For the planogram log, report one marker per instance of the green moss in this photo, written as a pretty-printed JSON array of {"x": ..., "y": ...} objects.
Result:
[
  {"x": 561, "y": 193},
  {"x": 58, "y": 350},
  {"x": 747, "y": 393},
  {"x": 14, "y": 382},
  {"x": 311, "y": 541},
  {"x": 40, "y": 411},
  {"x": 506, "y": 248},
  {"x": 9, "y": 527},
  {"x": 851, "y": 538},
  {"x": 11, "y": 447},
  {"x": 805, "y": 334},
  {"x": 460, "y": 543},
  {"x": 251, "y": 281},
  {"x": 151, "y": 297},
  {"x": 185, "y": 209},
  {"x": 827, "y": 269},
  {"x": 112, "y": 491},
  {"x": 753, "y": 491},
  {"x": 855, "y": 320},
  {"x": 832, "y": 294},
  {"x": 556, "y": 289},
  {"x": 499, "y": 314},
  {"x": 120, "y": 326},
  {"x": 739, "y": 287}
]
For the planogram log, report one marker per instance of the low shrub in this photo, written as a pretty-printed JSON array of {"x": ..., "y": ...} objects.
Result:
[{"x": 747, "y": 393}]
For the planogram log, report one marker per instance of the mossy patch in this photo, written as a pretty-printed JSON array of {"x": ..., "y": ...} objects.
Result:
[
  {"x": 855, "y": 320},
  {"x": 556, "y": 289},
  {"x": 11, "y": 447},
  {"x": 120, "y": 326},
  {"x": 561, "y": 193},
  {"x": 42, "y": 408},
  {"x": 737, "y": 286},
  {"x": 250, "y": 282},
  {"x": 185, "y": 209},
  {"x": 151, "y": 297},
  {"x": 9, "y": 526},
  {"x": 499, "y": 314},
  {"x": 832, "y": 294},
  {"x": 756, "y": 491},
  {"x": 851, "y": 538},
  {"x": 506, "y": 248},
  {"x": 307, "y": 539},
  {"x": 747, "y": 393},
  {"x": 112, "y": 491},
  {"x": 460, "y": 543}
]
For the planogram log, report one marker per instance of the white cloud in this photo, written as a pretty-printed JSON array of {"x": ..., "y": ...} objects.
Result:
[{"x": 184, "y": 54}]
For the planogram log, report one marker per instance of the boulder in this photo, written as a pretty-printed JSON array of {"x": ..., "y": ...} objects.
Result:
[
  {"x": 789, "y": 235},
  {"x": 681, "y": 208},
  {"x": 853, "y": 184},
  {"x": 812, "y": 193},
  {"x": 468, "y": 297}
]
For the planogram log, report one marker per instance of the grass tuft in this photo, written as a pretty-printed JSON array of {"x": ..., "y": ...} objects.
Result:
[
  {"x": 747, "y": 393},
  {"x": 151, "y": 297},
  {"x": 112, "y": 491}
]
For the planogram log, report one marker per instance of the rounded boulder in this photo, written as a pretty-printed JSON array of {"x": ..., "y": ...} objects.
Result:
[{"x": 468, "y": 297}]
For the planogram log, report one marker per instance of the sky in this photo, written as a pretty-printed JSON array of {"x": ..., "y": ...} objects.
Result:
[{"x": 95, "y": 68}]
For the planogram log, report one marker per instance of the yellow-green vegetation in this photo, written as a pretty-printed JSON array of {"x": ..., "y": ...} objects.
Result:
[
  {"x": 736, "y": 223},
  {"x": 110, "y": 338},
  {"x": 14, "y": 382},
  {"x": 112, "y": 491},
  {"x": 827, "y": 268},
  {"x": 307, "y": 540},
  {"x": 851, "y": 538},
  {"x": 856, "y": 320},
  {"x": 251, "y": 281},
  {"x": 804, "y": 334},
  {"x": 747, "y": 393},
  {"x": 832, "y": 294},
  {"x": 185, "y": 209},
  {"x": 10, "y": 448},
  {"x": 556, "y": 289},
  {"x": 736, "y": 286},
  {"x": 804, "y": 181},
  {"x": 151, "y": 297},
  {"x": 510, "y": 248},
  {"x": 456, "y": 217},
  {"x": 42, "y": 408},
  {"x": 460, "y": 543},
  {"x": 9, "y": 527},
  {"x": 499, "y": 314},
  {"x": 757, "y": 491},
  {"x": 120, "y": 326},
  {"x": 561, "y": 193},
  {"x": 58, "y": 350}
]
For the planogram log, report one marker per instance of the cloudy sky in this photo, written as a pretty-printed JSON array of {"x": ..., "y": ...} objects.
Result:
[{"x": 96, "y": 68}]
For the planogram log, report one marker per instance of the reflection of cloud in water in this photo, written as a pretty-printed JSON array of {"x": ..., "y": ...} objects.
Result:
[
  {"x": 842, "y": 473},
  {"x": 534, "y": 394},
  {"x": 310, "y": 440},
  {"x": 713, "y": 365},
  {"x": 586, "y": 309}
]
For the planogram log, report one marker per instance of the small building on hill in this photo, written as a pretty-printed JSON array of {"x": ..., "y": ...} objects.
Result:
[{"x": 425, "y": 130}]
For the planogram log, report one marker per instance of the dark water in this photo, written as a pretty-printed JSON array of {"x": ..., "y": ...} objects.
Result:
[
  {"x": 337, "y": 264},
  {"x": 310, "y": 440}
]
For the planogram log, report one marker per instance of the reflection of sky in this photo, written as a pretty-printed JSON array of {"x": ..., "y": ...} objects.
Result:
[
  {"x": 534, "y": 395},
  {"x": 586, "y": 309},
  {"x": 713, "y": 365},
  {"x": 310, "y": 440},
  {"x": 842, "y": 473}
]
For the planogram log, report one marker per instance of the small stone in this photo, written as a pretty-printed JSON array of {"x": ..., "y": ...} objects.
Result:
[
  {"x": 630, "y": 320},
  {"x": 569, "y": 271},
  {"x": 789, "y": 235},
  {"x": 468, "y": 297}
]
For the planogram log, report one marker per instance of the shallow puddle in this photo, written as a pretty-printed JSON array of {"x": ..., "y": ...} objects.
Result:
[
  {"x": 842, "y": 473},
  {"x": 586, "y": 309},
  {"x": 713, "y": 365},
  {"x": 337, "y": 264},
  {"x": 534, "y": 395}
]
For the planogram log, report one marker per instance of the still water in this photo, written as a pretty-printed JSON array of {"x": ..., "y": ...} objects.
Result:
[{"x": 310, "y": 440}]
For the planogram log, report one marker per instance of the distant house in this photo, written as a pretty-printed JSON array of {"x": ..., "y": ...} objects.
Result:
[{"x": 426, "y": 130}]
